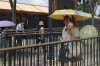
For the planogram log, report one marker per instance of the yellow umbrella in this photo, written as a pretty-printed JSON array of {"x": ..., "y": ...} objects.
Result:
[{"x": 79, "y": 15}]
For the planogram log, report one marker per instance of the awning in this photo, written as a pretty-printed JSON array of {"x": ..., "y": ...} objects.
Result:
[
  {"x": 21, "y": 7},
  {"x": 6, "y": 6},
  {"x": 41, "y": 8},
  {"x": 27, "y": 8}
]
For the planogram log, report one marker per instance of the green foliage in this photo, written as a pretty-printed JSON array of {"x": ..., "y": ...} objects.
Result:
[
  {"x": 79, "y": 8},
  {"x": 79, "y": 0},
  {"x": 98, "y": 1},
  {"x": 88, "y": 6}
]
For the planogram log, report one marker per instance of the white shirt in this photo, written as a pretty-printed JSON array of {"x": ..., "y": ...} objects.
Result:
[
  {"x": 66, "y": 36},
  {"x": 42, "y": 30},
  {"x": 20, "y": 27}
]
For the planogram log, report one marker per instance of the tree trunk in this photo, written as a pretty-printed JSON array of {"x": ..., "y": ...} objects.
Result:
[
  {"x": 92, "y": 14},
  {"x": 13, "y": 9}
]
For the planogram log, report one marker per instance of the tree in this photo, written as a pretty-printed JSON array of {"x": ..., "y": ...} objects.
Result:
[
  {"x": 13, "y": 9},
  {"x": 79, "y": 0},
  {"x": 90, "y": 7}
]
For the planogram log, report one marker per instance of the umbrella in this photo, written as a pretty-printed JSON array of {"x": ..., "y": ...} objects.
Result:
[
  {"x": 6, "y": 23},
  {"x": 88, "y": 31},
  {"x": 79, "y": 15}
]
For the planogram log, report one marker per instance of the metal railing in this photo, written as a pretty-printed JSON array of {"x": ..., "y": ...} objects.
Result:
[
  {"x": 22, "y": 39},
  {"x": 28, "y": 50},
  {"x": 53, "y": 54}
]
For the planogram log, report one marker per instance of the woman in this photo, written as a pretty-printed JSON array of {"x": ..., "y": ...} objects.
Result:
[
  {"x": 71, "y": 28},
  {"x": 70, "y": 32}
]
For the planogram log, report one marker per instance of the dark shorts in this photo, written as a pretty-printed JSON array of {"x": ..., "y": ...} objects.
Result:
[{"x": 63, "y": 58}]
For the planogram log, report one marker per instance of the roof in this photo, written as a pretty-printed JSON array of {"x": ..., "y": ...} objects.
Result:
[
  {"x": 43, "y": 9},
  {"x": 7, "y": 6},
  {"x": 21, "y": 7}
]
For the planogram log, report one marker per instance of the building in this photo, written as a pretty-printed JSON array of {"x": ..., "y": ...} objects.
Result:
[{"x": 30, "y": 14}]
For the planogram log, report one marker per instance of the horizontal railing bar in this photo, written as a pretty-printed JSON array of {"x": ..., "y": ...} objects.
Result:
[
  {"x": 42, "y": 44},
  {"x": 32, "y": 33}
]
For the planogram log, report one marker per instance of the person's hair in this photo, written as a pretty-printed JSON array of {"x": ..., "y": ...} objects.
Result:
[
  {"x": 66, "y": 17},
  {"x": 73, "y": 20}
]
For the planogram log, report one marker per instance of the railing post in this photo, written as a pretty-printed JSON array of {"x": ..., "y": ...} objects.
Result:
[
  {"x": 62, "y": 54},
  {"x": 51, "y": 48},
  {"x": 50, "y": 55},
  {"x": 10, "y": 58}
]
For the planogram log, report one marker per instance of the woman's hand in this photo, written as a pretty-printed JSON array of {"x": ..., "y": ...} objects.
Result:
[{"x": 61, "y": 39}]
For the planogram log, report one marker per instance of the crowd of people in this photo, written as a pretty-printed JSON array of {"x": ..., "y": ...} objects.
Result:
[
  {"x": 20, "y": 28},
  {"x": 69, "y": 32}
]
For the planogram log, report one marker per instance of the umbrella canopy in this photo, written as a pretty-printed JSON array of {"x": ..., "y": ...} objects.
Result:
[
  {"x": 89, "y": 31},
  {"x": 6, "y": 23},
  {"x": 79, "y": 15}
]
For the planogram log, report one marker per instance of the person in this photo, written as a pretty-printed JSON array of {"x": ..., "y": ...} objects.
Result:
[
  {"x": 20, "y": 27},
  {"x": 41, "y": 30},
  {"x": 3, "y": 38},
  {"x": 69, "y": 32},
  {"x": 40, "y": 27},
  {"x": 40, "y": 37}
]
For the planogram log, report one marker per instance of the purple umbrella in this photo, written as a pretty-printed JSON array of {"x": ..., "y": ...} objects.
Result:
[{"x": 6, "y": 23}]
